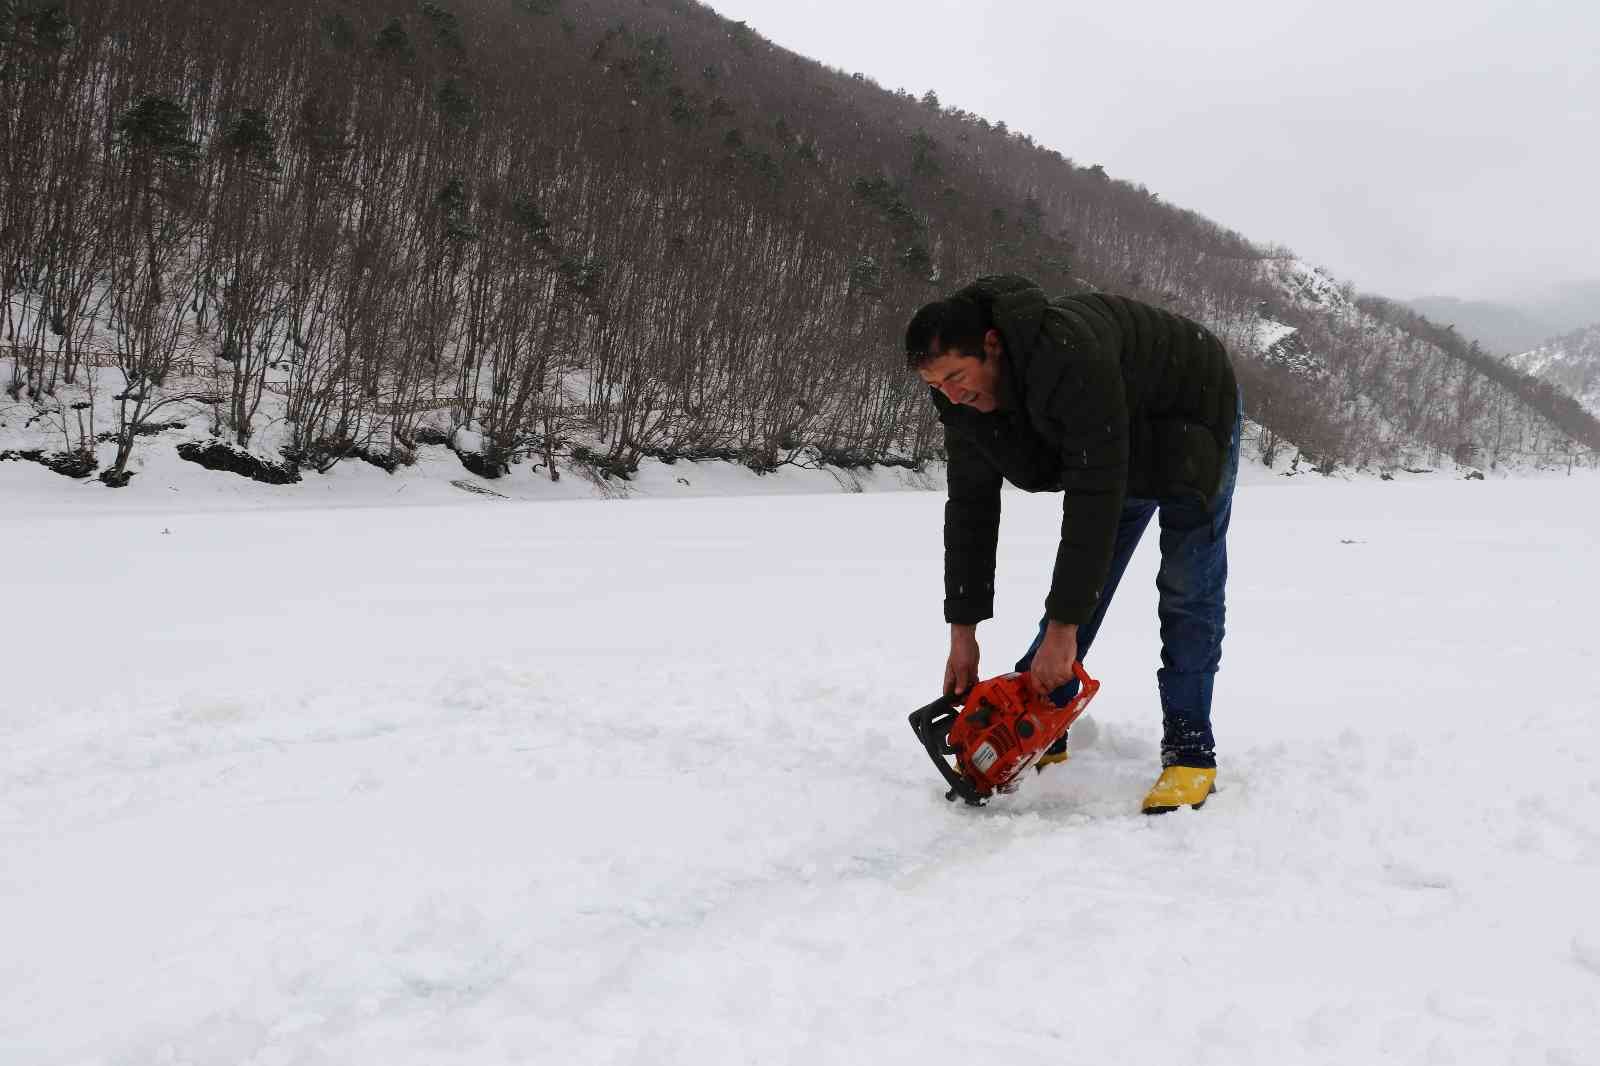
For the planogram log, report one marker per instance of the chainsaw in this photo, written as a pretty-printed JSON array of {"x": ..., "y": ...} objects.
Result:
[{"x": 995, "y": 731}]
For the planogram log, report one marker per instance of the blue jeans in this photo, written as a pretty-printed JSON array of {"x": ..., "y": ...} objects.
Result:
[{"x": 1192, "y": 582}]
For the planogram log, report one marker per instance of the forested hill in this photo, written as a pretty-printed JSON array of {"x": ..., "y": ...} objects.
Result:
[
  {"x": 1570, "y": 362},
  {"x": 597, "y": 230}
]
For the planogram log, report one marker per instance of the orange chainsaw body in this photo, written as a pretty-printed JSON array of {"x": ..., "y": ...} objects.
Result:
[{"x": 1002, "y": 728}]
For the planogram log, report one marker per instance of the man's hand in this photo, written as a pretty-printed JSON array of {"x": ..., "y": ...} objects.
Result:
[
  {"x": 961, "y": 669},
  {"x": 1052, "y": 663}
]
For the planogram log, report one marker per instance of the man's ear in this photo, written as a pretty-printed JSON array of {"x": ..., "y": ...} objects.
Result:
[{"x": 991, "y": 344}]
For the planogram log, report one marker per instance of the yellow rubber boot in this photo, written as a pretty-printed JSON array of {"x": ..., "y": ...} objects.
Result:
[
  {"x": 1055, "y": 753},
  {"x": 1049, "y": 759},
  {"x": 1180, "y": 786}
]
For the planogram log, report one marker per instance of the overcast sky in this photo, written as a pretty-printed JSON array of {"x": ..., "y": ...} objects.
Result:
[{"x": 1445, "y": 147}]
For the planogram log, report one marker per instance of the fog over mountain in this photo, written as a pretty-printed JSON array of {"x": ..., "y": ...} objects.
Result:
[
  {"x": 1500, "y": 328},
  {"x": 1409, "y": 148},
  {"x": 1521, "y": 320}
]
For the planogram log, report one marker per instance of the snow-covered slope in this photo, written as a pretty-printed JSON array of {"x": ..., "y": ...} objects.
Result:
[
  {"x": 594, "y": 782},
  {"x": 1571, "y": 361},
  {"x": 1365, "y": 382},
  {"x": 1305, "y": 288}
]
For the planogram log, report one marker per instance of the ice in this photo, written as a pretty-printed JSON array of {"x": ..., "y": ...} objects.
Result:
[{"x": 498, "y": 781}]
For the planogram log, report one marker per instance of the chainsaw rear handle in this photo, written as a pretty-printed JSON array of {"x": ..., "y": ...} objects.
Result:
[
  {"x": 931, "y": 723},
  {"x": 1082, "y": 675},
  {"x": 1078, "y": 672}
]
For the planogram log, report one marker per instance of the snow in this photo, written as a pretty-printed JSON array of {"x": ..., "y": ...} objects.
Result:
[
  {"x": 162, "y": 481},
  {"x": 1309, "y": 286},
  {"x": 1267, "y": 332},
  {"x": 1571, "y": 362},
  {"x": 449, "y": 779}
]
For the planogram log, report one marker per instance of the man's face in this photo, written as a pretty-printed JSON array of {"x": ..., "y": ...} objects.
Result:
[{"x": 964, "y": 379}]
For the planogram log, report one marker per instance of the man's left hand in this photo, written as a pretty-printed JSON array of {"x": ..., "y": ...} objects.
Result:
[{"x": 1052, "y": 663}]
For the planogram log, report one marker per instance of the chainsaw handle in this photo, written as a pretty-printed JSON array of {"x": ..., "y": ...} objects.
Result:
[
  {"x": 931, "y": 724},
  {"x": 959, "y": 699},
  {"x": 1085, "y": 682}
]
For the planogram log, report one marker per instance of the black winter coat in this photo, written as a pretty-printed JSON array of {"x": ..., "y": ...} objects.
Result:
[{"x": 1102, "y": 398}]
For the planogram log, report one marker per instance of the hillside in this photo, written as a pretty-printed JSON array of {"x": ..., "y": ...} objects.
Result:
[
  {"x": 1571, "y": 362},
  {"x": 553, "y": 231}
]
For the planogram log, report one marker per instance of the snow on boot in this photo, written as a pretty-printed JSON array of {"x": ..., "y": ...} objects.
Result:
[
  {"x": 1057, "y": 752},
  {"x": 1180, "y": 786}
]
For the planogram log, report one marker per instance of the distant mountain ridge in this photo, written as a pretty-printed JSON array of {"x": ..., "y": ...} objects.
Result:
[
  {"x": 1513, "y": 326},
  {"x": 1500, "y": 328}
]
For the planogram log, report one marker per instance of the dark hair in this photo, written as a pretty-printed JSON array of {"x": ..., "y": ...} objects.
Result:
[{"x": 955, "y": 322}]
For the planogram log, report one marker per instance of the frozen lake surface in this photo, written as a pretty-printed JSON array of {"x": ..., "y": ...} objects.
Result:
[{"x": 492, "y": 781}]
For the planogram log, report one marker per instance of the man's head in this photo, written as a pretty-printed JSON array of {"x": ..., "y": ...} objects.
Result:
[{"x": 951, "y": 344}]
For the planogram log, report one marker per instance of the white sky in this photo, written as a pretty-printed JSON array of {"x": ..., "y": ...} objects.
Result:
[{"x": 1442, "y": 148}]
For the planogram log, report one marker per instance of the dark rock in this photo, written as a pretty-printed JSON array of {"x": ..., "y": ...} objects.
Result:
[
  {"x": 483, "y": 465},
  {"x": 67, "y": 464},
  {"x": 71, "y": 464},
  {"x": 216, "y": 455},
  {"x": 324, "y": 453},
  {"x": 389, "y": 461}
]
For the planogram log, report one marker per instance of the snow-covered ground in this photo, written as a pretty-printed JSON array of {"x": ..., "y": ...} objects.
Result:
[{"x": 601, "y": 782}]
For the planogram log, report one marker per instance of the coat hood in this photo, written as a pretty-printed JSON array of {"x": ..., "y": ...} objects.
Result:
[{"x": 1016, "y": 306}]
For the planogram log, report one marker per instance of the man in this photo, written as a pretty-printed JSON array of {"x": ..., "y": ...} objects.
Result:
[{"x": 1130, "y": 411}]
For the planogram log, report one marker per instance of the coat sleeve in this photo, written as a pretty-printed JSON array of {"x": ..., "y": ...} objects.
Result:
[
  {"x": 1085, "y": 398},
  {"x": 971, "y": 532}
]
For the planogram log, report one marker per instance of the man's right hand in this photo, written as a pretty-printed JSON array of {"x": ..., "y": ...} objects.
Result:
[{"x": 961, "y": 669}]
